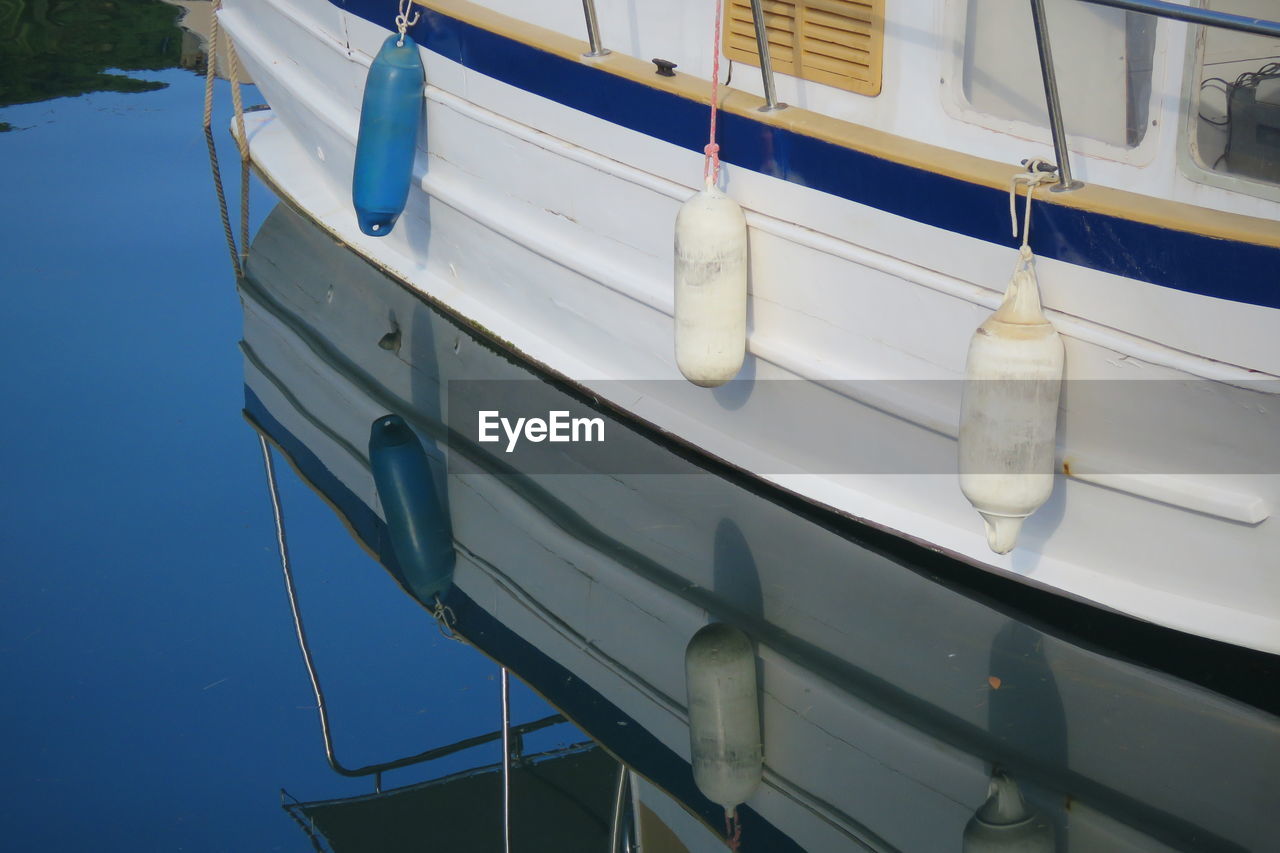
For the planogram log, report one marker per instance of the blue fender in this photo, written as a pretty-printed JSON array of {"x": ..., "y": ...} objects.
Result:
[
  {"x": 418, "y": 523},
  {"x": 388, "y": 141}
]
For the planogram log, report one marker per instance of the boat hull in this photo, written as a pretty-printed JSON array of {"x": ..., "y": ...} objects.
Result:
[{"x": 551, "y": 230}]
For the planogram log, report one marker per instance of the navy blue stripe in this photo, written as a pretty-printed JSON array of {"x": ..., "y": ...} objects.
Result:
[
  {"x": 602, "y": 720},
  {"x": 1226, "y": 269}
]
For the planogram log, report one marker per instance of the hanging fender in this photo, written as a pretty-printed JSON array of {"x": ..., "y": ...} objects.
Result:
[
  {"x": 388, "y": 142},
  {"x": 1009, "y": 414},
  {"x": 724, "y": 715},
  {"x": 711, "y": 288},
  {"x": 417, "y": 521}
]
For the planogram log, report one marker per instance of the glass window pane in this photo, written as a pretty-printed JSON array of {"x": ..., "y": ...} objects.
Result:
[
  {"x": 1103, "y": 59},
  {"x": 1237, "y": 97}
]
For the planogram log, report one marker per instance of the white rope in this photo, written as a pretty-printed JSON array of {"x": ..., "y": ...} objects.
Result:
[
  {"x": 403, "y": 22},
  {"x": 210, "y": 72},
  {"x": 242, "y": 143},
  {"x": 1033, "y": 177},
  {"x": 445, "y": 620}
]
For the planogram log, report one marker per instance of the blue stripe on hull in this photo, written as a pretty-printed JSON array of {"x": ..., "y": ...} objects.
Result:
[{"x": 1225, "y": 269}]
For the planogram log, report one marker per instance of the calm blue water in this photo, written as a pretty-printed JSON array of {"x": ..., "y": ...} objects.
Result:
[{"x": 154, "y": 697}]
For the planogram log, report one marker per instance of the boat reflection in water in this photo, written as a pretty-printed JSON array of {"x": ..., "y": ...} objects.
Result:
[{"x": 905, "y": 702}]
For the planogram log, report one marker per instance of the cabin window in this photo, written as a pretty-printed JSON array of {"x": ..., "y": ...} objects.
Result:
[
  {"x": 1235, "y": 99},
  {"x": 1103, "y": 58},
  {"x": 836, "y": 42}
]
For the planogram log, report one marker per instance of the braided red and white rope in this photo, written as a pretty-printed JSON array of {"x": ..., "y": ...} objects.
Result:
[{"x": 711, "y": 165}]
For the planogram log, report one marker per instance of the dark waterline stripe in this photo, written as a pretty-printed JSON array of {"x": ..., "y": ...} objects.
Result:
[{"x": 1193, "y": 263}]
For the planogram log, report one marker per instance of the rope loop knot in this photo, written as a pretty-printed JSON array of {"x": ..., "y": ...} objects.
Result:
[
  {"x": 1039, "y": 171},
  {"x": 403, "y": 21}
]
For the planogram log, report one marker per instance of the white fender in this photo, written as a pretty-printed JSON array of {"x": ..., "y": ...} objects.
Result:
[
  {"x": 724, "y": 715},
  {"x": 711, "y": 288},
  {"x": 1008, "y": 420}
]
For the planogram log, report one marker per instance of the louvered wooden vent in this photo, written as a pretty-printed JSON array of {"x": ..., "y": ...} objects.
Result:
[{"x": 836, "y": 42}]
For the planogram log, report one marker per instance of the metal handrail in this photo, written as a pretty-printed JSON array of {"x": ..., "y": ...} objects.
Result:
[
  {"x": 593, "y": 29},
  {"x": 762, "y": 48},
  {"x": 375, "y": 770},
  {"x": 766, "y": 64},
  {"x": 1156, "y": 8},
  {"x": 506, "y": 761},
  {"x": 1194, "y": 15},
  {"x": 621, "y": 830},
  {"x": 1065, "y": 181}
]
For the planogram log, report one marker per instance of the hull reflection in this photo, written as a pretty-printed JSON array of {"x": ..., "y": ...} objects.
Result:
[{"x": 892, "y": 691}]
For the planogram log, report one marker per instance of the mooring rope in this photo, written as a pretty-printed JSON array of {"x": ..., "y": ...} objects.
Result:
[
  {"x": 711, "y": 165},
  {"x": 210, "y": 73},
  {"x": 242, "y": 141}
]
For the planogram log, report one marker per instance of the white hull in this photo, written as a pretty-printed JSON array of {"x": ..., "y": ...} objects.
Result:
[
  {"x": 880, "y": 719},
  {"x": 523, "y": 225}
]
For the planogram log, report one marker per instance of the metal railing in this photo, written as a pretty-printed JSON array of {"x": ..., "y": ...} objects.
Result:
[
  {"x": 508, "y": 734},
  {"x": 622, "y": 829},
  {"x": 1156, "y": 8},
  {"x": 593, "y": 29},
  {"x": 762, "y": 48}
]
